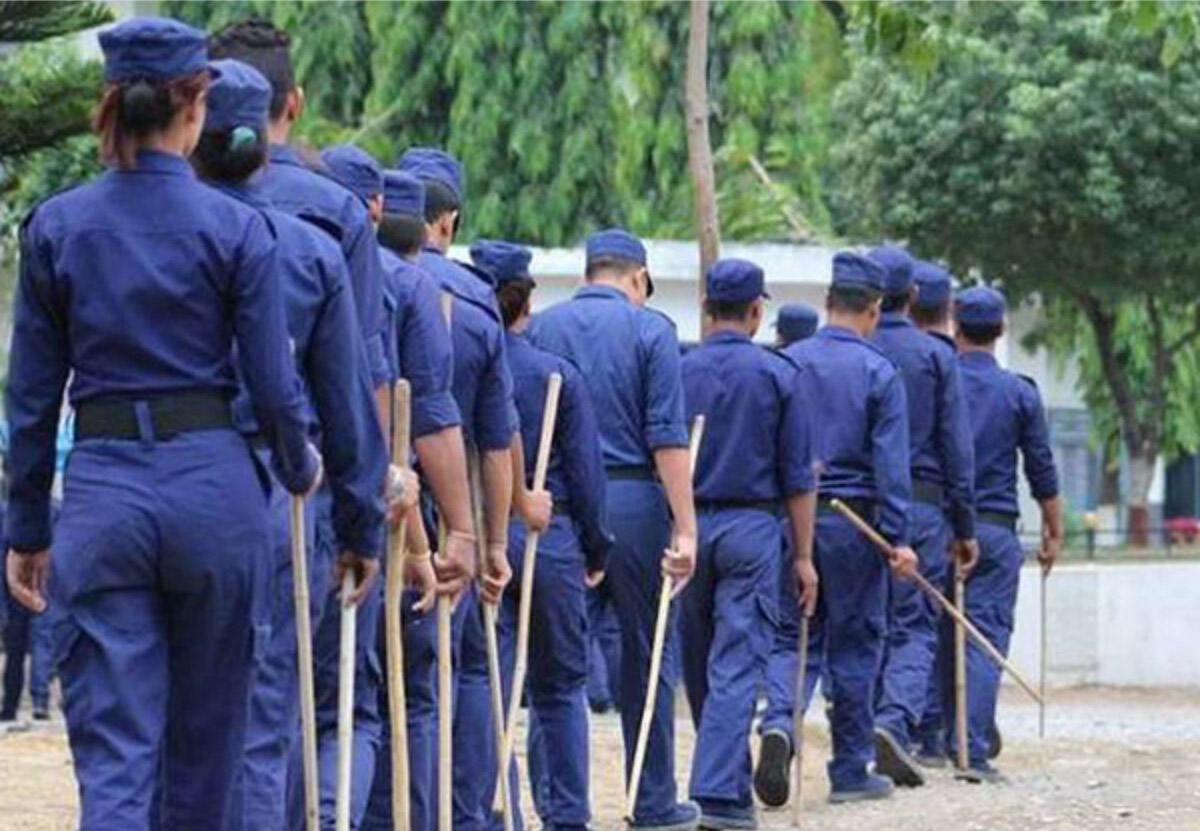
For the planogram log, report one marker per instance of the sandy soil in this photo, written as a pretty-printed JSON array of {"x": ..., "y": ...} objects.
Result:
[{"x": 1126, "y": 759}]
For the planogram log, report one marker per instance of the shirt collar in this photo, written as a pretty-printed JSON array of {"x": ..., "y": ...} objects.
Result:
[
  {"x": 976, "y": 356},
  {"x": 838, "y": 333},
  {"x": 284, "y": 154},
  {"x": 246, "y": 192},
  {"x": 155, "y": 161},
  {"x": 603, "y": 292},
  {"x": 727, "y": 336},
  {"x": 895, "y": 320}
]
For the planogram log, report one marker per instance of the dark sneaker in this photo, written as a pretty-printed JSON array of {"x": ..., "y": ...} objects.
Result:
[
  {"x": 873, "y": 787},
  {"x": 683, "y": 817},
  {"x": 981, "y": 773},
  {"x": 772, "y": 783},
  {"x": 41, "y": 714},
  {"x": 995, "y": 742},
  {"x": 896, "y": 763},
  {"x": 600, "y": 707},
  {"x": 727, "y": 817}
]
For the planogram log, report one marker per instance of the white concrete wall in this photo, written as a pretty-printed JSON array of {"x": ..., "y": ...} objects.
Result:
[{"x": 1133, "y": 624}]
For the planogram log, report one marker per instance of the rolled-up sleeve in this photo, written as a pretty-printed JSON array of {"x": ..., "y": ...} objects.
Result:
[{"x": 665, "y": 424}]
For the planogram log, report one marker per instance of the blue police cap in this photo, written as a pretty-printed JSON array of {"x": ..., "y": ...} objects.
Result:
[
  {"x": 403, "y": 194},
  {"x": 796, "y": 321},
  {"x": 505, "y": 261},
  {"x": 615, "y": 242},
  {"x": 239, "y": 97},
  {"x": 355, "y": 169},
  {"x": 979, "y": 306},
  {"x": 850, "y": 269},
  {"x": 154, "y": 49},
  {"x": 734, "y": 281},
  {"x": 432, "y": 165},
  {"x": 897, "y": 266},
  {"x": 933, "y": 285}
]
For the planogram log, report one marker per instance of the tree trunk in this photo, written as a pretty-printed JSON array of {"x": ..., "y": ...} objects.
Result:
[
  {"x": 700, "y": 157},
  {"x": 1141, "y": 475}
]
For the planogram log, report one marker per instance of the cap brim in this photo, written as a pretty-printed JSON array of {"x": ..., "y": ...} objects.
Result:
[
  {"x": 213, "y": 72},
  {"x": 649, "y": 284}
]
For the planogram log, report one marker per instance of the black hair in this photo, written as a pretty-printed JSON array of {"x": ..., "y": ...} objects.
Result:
[
  {"x": 926, "y": 316},
  {"x": 132, "y": 110},
  {"x": 981, "y": 334},
  {"x": 403, "y": 234},
  {"x": 220, "y": 158},
  {"x": 719, "y": 310},
  {"x": 620, "y": 265},
  {"x": 851, "y": 299},
  {"x": 439, "y": 201},
  {"x": 265, "y": 47},
  {"x": 895, "y": 302},
  {"x": 513, "y": 297}
]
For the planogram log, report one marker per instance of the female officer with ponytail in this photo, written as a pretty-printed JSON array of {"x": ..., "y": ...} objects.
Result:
[{"x": 135, "y": 287}]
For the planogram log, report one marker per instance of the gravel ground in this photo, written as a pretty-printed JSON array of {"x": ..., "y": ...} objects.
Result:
[{"x": 1113, "y": 759}]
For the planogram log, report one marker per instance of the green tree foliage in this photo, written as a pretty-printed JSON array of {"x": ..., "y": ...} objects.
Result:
[
  {"x": 1052, "y": 151},
  {"x": 568, "y": 116}
]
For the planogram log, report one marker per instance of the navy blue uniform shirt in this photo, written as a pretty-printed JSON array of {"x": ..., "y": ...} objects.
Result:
[
  {"x": 575, "y": 476},
  {"x": 1006, "y": 414},
  {"x": 629, "y": 359},
  {"x": 332, "y": 360},
  {"x": 482, "y": 381},
  {"x": 419, "y": 344},
  {"x": 860, "y": 423},
  {"x": 138, "y": 283},
  {"x": 295, "y": 189},
  {"x": 939, "y": 434},
  {"x": 757, "y": 438}
]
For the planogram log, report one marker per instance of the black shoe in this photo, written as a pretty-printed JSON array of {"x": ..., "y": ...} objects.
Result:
[
  {"x": 875, "y": 787},
  {"x": 41, "y": 714},
  {"x": 771, "y": 781},
  {"x": 600, "y": 707},
  {"x": 981, "y": 773},
  {"x": 896, "y": 763},
  {"x": 995, "y": 742},
  {"x": 8, "y": 715}
]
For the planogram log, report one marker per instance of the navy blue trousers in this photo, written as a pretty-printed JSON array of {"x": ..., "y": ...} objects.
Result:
[
  {"x": 727, "y": 619},
  {"x": 160, "y": 570},
  {"x": 912, "y": 630},
  {"x": 991, "y": 600}
]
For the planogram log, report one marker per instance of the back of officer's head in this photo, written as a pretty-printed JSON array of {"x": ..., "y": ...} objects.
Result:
[
  {"x": 234, "y": 142},
  {"x": 979, "y": 316},
  {"x": 265, "y": 47},
  {"x": 897, "y": 266},
  {"x": 508, "y": 265},
  {"x": 402, "y": 228},
  {"x": 857, "y": 285},
  {"x": 156, "y": 72},
  {"x": 617, "y": 257},
  {"x": 934, "y": 295},
  {"x": 733, "y": 295}
]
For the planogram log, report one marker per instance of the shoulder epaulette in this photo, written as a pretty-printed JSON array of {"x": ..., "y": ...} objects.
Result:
[
  {"x": 332, "y": 228},
  {"x": 660, "y": 314},
  {"x": 780, "y": 355}
]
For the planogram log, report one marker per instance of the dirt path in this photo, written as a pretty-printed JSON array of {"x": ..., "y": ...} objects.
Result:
[{"x": 1126, "y": 760}]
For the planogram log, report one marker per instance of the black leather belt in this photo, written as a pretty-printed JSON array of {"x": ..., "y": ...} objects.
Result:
[
  {"x": 769, "y": 506},
  {"x": 1006, "y": 521},
  {"x": 168, "y": 415},
  {"x": 865, "y": 508},
  {"x": 928, "y": 493},
  {"x": 630, "y": 473}
]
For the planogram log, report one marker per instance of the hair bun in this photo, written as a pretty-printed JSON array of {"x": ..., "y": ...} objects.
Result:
[{"x": 142, "y": 104}]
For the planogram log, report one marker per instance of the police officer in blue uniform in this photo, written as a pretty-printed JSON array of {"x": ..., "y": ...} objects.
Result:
[
  {"x": 483, "y": 390},
  {"x": 1007, "y": 416},
  {"x": 572, "y": 553},
  {"x": 756, "y": 460},
  {"x": 333, "y": 364},
  {"x": 292, "y": 186},
  {"x": 163, "y": 544},
  {"x": 860, "y": 423},
  {"x": 795, "y": 322},
  {"x": 629, "y": 358},
  {"x": 420, "y": 343},
  {"x": 941, "y": 514}
]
